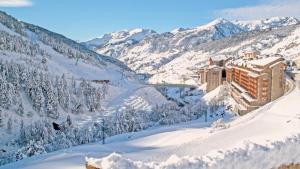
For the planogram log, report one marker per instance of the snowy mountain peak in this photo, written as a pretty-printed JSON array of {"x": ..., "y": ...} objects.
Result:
[
  {"x": 159, "y": 50},
  {"x": 177, "y": 30},
  {"x": 118, "y": 37},
  {"x": 270, "y": 23},
  {"x": 222, "y": 27},
  {"x": 282, "y": 20},
  {"x": 210, "y": 25},
  {"x": 216, "y": 22},
  {"x": 219, "y": 21}
]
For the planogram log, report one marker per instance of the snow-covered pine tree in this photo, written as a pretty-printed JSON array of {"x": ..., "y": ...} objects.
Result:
[
  {"x": 1, "y": 118},
  {"x": 14, "y": 75},
  {"x": 5, "y": 94},
  {"x": 59, "y": 90},
  {"x": 104, "y": 90},
  {"x": 44, "y": 60},
  {"x": 23, "y": 76},
  {"x": 97, "y": 130},
  {"x": 22, "y": 137},
  {"x": 51, "y": 101},
  {"x": 31, "y": 149},
  {"x": 61, "y": 141},
  {"x": 39, "y": 101},
  {"x": 9, "y": 126},
  {"x": 66, "y": 93},
  {"x": 69, "y": 120},
  {"x": 73, "y": 85},
  {"x": 97, "y": 97},
  {"x": 20, "y": 109}
]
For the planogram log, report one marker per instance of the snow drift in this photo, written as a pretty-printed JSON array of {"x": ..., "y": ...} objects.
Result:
[{"x": 251, "y": 156}]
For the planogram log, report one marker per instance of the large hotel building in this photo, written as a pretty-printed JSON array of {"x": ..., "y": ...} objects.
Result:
[{"x": 254, "y": 83}]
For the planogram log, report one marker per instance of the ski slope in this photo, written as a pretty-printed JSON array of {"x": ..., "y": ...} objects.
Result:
[{"x": 271, "y": 123}]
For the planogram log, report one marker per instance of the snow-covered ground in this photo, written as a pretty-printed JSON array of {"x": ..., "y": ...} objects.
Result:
[
  {"x": 30, "y": 49},
  {"x": 273, "y": 122}
]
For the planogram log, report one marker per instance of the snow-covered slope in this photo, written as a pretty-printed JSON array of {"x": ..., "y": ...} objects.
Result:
[
  {"x": 247, "y": 142},
  {"x": 157, "y": 53},
  {"x": 47, "y": 77}
]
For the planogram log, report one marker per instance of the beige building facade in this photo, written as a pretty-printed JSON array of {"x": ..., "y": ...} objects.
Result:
[
  {"x": 212, "y": 74},
  {"x": 214, "y": 78}
]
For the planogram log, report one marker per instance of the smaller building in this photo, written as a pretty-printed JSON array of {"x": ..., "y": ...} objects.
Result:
[
  {"x": 251, "y": 54},
  {"x": 214, "y": 73},
  {"x": 214, "y": 78}
]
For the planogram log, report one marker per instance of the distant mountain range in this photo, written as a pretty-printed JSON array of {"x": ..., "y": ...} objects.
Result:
[{"x": 178, "y": 51}]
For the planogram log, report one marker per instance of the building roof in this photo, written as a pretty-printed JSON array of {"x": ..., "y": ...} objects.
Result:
[
  {"x": 239, "y": 62},
  {"x": 276, "y": 63},
  {"x": 258, "y": 62},
  {"x": 207, "y": 67},
  {"x": 214, "y": 67},
  {"x": 264, "y": 61},
  {"x": 220, "y": 57}
]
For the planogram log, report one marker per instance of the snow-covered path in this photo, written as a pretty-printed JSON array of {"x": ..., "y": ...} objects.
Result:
[{"x": 273, "y": 122}]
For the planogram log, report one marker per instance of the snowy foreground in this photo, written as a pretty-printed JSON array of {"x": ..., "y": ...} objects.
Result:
[{"x": 256, "y": 140}]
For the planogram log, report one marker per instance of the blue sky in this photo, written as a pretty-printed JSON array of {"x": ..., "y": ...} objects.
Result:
[{"x": 86, "y": 19}]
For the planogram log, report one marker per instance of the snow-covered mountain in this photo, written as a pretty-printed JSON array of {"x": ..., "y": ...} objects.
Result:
[
  {"x": 46, "y": 77},
  {"x": 113, "y": 43},
  {"x": 156, "y": 49},
  {"x": 171, "y": 55},
  {"x": 284, "y": 41},
  {"x": 275, "y": 22}
]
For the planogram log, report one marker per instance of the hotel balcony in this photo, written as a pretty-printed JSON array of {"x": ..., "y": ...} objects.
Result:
[{"x": 246, "y": 102}]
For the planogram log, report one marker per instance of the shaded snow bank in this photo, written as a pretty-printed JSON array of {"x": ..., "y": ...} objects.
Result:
[{"x": 251, "y": 156}]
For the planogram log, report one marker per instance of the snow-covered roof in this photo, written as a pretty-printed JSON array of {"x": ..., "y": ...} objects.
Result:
[
  {"x": 240, "y": 62},
  {"x": 264, "y": 61},
  {"x": 206, "y": 67},
  {"x": 214, "y": 67},
  {"x": 274, "y": 64},
  {"x": 220, "y": 57}
]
